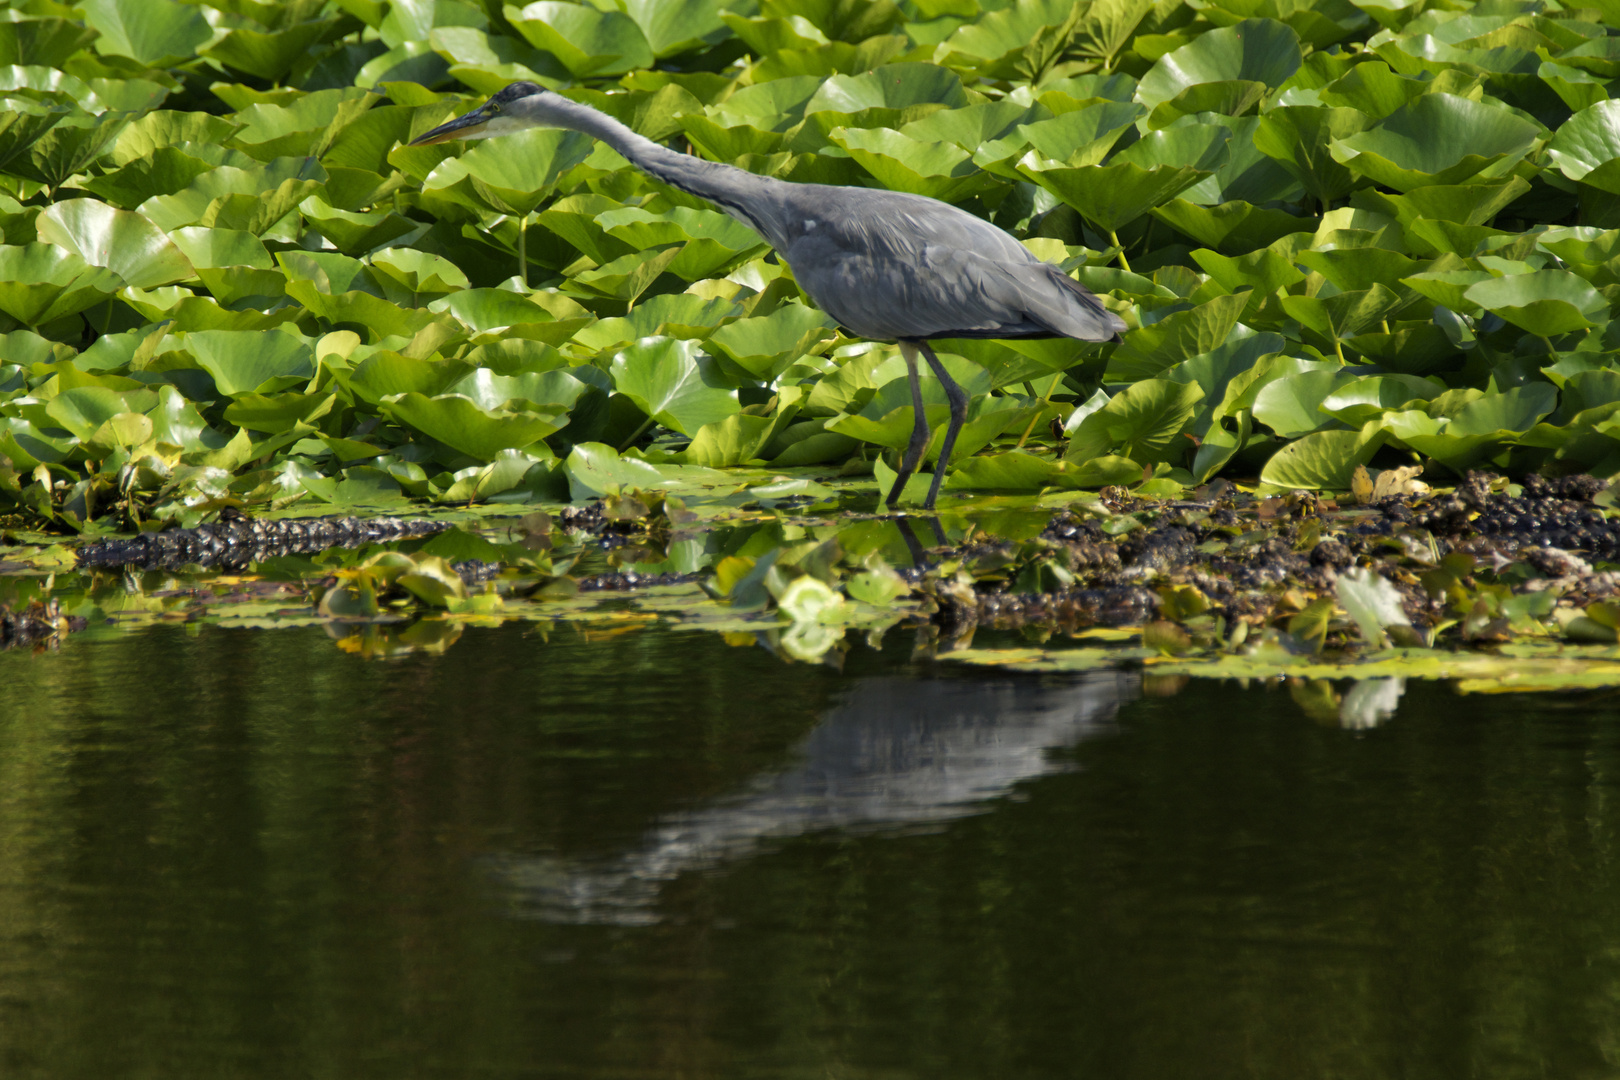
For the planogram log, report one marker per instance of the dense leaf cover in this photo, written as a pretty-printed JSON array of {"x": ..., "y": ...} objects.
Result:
[{"x": 1342, "y": 234}]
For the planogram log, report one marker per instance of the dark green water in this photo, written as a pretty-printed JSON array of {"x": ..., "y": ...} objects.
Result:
[{"x": 250, "y": 854}]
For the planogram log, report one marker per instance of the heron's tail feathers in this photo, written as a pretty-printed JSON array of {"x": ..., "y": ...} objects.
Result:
[{"x": 1075, "y": 312}]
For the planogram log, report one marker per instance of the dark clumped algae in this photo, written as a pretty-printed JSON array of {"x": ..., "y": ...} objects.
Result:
[{"x": 238, "y": 540}]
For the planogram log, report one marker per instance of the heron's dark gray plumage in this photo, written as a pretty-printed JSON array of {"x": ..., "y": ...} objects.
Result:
[{"x": 885, "y": 264}]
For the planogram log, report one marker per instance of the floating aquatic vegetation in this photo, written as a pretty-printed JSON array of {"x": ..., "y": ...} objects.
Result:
[
  {"x": 1462, "y": 583},
  {"x": 1343, "y": 235}
]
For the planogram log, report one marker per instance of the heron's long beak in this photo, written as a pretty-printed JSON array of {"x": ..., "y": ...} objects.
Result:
[{"x": 462, "y": 127}]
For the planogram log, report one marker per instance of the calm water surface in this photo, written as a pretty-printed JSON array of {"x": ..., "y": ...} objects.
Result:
[{"x": 251, "y": 854}]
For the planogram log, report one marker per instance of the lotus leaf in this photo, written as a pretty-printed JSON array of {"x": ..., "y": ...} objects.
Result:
[
  {"x": 1146, "y": 352},
  {"x": 243, "y": 363},
  {"x": 1112, "y": 196},
  {"x": 1079, "y": 137},
  {"x": 278, "y": 412},
  {"x": 124, "y": 242},
  {"x": 48, "y": 41},
  {"x": 85, "y": 410},
  {"x": 306, "y": 126},
  {"x": 673, "y": 383},
  {"x": 68, "y": 148},
  {"x": 40, "y": 283},
  {"x": 459, "y": 423},
  {"x": 1546, "y": 302},
  {"x": 938, "y": 170},
  {"x": 1261, "y": 51},
  {"x": 1301, "y": 139},
  {"x": 587, "y": 41},
  {"x": 1437, "y": 139},
  {"x": 1144, "y": 423},
  {"x": 1360, "y": 400},
  {"x": 1322, "y": 459},
  {"x": 1293, "y": 406},
  {"x": 152, "y": 32},
  {"x": 1587, "y": 146},
  {"x": 893, "y": 86},
  {"x": 159, "y": 129},
  {"x": 513, "y": 175},
  {"x": 270, "y": 55}
]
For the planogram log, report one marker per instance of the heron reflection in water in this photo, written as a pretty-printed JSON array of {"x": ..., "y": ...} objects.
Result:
[
  {"x": 896, "y": 754},
  {"x": 887, "y": 265}
]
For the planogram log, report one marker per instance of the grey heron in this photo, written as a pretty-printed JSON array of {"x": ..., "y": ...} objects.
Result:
[{"x": 887, "y": 265}]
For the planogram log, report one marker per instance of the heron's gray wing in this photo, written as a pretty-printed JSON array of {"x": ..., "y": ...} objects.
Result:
[{"x": 892, "y": 266}]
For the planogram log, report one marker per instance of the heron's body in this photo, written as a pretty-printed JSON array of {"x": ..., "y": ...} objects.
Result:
[{"x": 885, "y": 264}]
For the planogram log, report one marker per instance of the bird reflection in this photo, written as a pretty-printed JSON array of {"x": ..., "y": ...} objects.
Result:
[{"x": 895, "y": 755}]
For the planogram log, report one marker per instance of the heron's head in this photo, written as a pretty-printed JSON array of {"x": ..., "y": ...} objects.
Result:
[{"x": 515, "y": 108}]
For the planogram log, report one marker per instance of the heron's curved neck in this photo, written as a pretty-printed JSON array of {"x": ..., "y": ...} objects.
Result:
[{"x": 752, "y": 199}]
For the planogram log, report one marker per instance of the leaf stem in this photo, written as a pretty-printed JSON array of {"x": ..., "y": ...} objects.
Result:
[
  {"x": 1046, "y": 397},
  {"x": 636, "y": 434},
  {"x": 523, "y": 252},
  {"x": 1113, "y": 238}
]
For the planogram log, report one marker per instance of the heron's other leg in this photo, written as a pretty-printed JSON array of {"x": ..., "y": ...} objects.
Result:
[
  {"x": 919, "y": 428},
  {"x": 959, "y": 404}
]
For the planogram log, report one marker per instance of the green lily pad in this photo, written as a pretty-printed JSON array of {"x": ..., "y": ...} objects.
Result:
[
  {"x": 274, "y": 413},
  {"x": 1301, "y": 139},
  {"x": 234, "y": 198},
  {"x": 1586, "y": 147},
  {"x": 40, "y": 283},
  {"x": 673, "y": 383},
  {"x": 1112, "y": 196},
  {"x": 491, "y": 391},
  {"x": 1080, "y": 137},
  {"x": 1144, "y": 423},
  {"x": 1292, "y": 406},
  {"x": 84, "y": 410},
  {"x": 1546, "y": 302},
  {"x": 1359, "y": 400},
  {"x": 165, "y": 171},
  {"x": 459, "y": 423},
  {"x": 1261, "y": 51},
  {"x": 1437, "y": 139},
  {"x": 1231, "y": 226},
  {"x": 23, "y": 121},
  {"x": 938, "y": 170},
  {"x": 271, "y": 55},
  {"x": 1344, "y": 314},
  {"x": 48, "y": 41},
  {"x": 1147, "y": 351},
  {"x": 355, "y": 233},
  {"x": 124, "y": 242},
  {"x": 156, "y": 33},
  {"x": 892, "y": 86},
  {"x": 513, "y": 175},
  {"x": 587, "y": 41},
  {"x": 242, "y": 362},
  {"x": 306, "y": 126},
  {"x": 1353, "y": 269},
  {"x": 1322, "y": 460},
  {"x": 386, "y": 373},
  {"x": 68, "y": 148}
]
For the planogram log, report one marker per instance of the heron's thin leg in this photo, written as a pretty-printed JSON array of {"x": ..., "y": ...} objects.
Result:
[
  {"x": 959, "y": 404},
  {"x": 919, "y": 428}
]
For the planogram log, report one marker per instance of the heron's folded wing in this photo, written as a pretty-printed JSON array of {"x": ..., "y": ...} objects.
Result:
[{"x": 986, "y": 292}]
